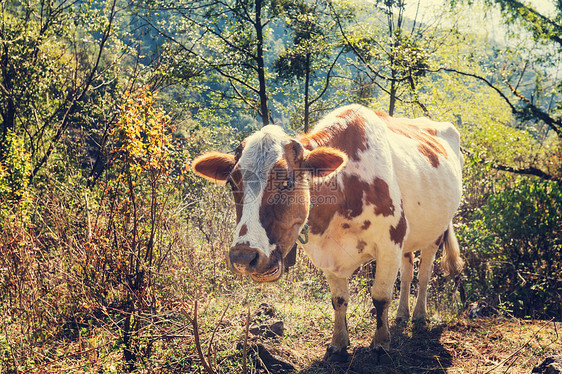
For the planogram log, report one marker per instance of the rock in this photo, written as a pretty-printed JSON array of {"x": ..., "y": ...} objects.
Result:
[
  {"x": 273, "y": 362},
  {"x": 550, "y": 365},
  {"x": 480, "y": 309},
  {"x": 265, "y": 310},
  {"x": 269, "y": 330}
]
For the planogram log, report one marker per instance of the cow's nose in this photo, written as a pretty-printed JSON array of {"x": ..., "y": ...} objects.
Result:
[{"x": 244, "y": 258}]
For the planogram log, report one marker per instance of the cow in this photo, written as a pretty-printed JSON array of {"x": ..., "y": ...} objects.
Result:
[{"x": 365, "y": 186}]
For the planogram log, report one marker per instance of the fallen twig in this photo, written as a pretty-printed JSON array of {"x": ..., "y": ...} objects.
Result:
[{"x": 245, "y": 349}]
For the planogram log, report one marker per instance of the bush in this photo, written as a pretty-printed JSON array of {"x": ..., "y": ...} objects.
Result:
[
  {"x": 513, "y": 246},
  {"x": 15, "y": 170}
]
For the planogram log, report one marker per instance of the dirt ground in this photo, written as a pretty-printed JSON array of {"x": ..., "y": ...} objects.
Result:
[{"x": 486, "y": 345}]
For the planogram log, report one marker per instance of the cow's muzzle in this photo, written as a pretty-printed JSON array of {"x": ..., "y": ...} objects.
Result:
[{"x": 244, "y": 259}]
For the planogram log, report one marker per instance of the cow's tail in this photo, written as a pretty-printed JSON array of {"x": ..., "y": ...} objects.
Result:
[{"x": 451, "y": 261}]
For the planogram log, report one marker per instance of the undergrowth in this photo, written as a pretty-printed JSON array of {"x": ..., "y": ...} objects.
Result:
[{"x": 129, "y": 274}]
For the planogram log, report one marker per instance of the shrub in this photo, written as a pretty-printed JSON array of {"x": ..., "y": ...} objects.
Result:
[
  {"x": 15, "y": 170},
  {"x": 513, "y": 246}
]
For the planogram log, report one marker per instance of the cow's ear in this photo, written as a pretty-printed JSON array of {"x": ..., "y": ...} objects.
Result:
[
  {"x": 324, "y": 161},
  {"x": 214, "y": 166}
]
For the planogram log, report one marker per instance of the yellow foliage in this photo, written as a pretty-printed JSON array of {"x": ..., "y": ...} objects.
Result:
[{"x": 143, "y": 135}]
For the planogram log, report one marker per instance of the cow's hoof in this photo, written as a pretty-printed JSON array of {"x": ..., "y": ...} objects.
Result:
[
  {"x": 380, "y": 343},
  {"x": 420, "y": 321},
  {"x": 401, "y": 320},
  {"x": 380, "y": 347},
  {"x": 381, "y": 355},
  {"x": 336, "y": 355},
  {"x": 381, "y": 340}
]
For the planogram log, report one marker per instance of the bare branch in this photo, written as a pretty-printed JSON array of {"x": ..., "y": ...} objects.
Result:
[
  {"x": 327, "y": 78},
  {"x": 74, "y": 100},
  {"x": 554, "y": 124},
  {"x": 216, "y": 67},
  {"x": 527, "y": 171},
  {"x": 488, "y": 83}
]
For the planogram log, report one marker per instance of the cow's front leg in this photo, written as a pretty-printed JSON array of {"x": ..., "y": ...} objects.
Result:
[
  {"x": 337, "y": 349},
  {"x": 381, "y": 292}
]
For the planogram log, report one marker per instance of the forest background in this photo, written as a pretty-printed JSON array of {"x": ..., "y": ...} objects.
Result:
[{"x": 108, "y": 244}]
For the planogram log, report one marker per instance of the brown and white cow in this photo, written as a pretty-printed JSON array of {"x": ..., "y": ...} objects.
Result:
[{"x": 369, "y": 186}]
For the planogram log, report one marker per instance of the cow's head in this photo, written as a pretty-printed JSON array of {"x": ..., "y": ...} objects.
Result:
[{"x": 270, "y": 176}]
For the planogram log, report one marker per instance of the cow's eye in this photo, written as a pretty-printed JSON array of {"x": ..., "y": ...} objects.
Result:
[{"x": 287, "y": 184}]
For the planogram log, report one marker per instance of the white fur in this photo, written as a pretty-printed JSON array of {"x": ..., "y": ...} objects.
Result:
[{"x": 260, "y": 153}]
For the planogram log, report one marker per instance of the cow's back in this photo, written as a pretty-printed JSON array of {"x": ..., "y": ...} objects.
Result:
[
  {"x": 428, "y": 167},
  {"x": 416, "y": 164}
]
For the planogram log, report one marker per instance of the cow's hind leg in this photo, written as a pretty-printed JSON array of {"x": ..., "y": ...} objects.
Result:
[
  {"x": 406, "y": 276},
  {"x": 381, "y": 292},
  {"x": 337, "y": 349},
  {"x": 425, "y": 269}
]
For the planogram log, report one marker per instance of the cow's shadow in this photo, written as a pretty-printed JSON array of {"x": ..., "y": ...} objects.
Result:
[{"x": 421, "y": 352}]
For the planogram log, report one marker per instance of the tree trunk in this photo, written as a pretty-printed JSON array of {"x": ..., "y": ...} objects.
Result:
[
  {"x": 9, "y": 112},
  {"x": 306, "y": 95},
  {"x": 261, "y": 65},
  {"x": 393, "y": 89}
]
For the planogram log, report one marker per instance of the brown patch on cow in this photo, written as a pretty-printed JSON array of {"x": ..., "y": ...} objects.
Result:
[
  {"x": 243, "y": 230},
  {"x": 321, "y": 214},
  {"x": 366, "y": 225},
  {"x": 345, "y": 226},
  {"x": 376, "y": 193},
  {"x": 361, "y": 246},
  {"x": 347, "y": 202},
  {"x": 350, "y": 202},
  {"x": 353, "y": 190},
  {"x": 398, "y": 232},
  {"x": 431, "y": 131},
  {"x": 279, "y": 217},
  {"x": 410, "y": 257},
  {"x": 380, "y": 197},
  {"x": 428, "y": 145},
  {"x": 349, "y": 137},
  {"x": 380, "y": 306}
]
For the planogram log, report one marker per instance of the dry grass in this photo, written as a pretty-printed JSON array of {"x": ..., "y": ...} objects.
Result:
[
  {"x": 488, "y": 345},
  {"x": 455, "y": 345},
  {"x": 491, "y": 345},
  {"x": 66, "y": 319}
]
